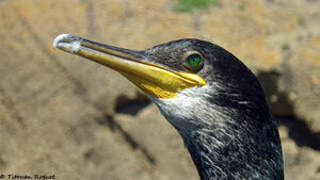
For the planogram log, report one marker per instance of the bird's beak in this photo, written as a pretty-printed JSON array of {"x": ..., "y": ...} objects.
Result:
[{"x": 154, "y": 79}]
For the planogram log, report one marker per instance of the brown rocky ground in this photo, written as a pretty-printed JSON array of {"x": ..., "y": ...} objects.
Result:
[{"x": 69, "y": 117}]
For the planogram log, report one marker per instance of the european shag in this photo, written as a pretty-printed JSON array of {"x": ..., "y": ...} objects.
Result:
[{"x": 213, "y": 100}]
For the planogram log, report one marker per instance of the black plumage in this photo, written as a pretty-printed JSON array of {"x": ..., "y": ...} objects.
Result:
[{"x": 249, "y": 142}]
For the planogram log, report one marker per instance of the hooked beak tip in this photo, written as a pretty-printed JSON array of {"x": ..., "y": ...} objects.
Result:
[{"x": 67, "y": 42}]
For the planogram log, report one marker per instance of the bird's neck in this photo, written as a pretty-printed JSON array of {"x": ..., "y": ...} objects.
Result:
[
  {"x": 219, "y": 154},
  {"x": 229, "y": 135}
]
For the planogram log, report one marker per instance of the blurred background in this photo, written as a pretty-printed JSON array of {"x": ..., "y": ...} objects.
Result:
[{"x": 64, "y": 115}]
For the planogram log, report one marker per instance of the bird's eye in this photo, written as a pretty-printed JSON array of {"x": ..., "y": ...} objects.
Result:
[{"x": 193, "y": 61}]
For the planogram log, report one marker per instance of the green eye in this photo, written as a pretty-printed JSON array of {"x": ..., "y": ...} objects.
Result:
[{"x": 193, "y": 61}]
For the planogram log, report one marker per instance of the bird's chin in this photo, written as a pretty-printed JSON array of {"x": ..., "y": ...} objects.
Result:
[{"x": 181, "y": 111}]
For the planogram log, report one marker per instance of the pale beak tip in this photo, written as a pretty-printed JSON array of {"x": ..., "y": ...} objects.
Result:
[
  {"x": 67, "y": 42},
  {"x": 60, "y": 38}
]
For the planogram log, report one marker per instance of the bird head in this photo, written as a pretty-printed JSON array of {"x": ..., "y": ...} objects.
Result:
[{"x": 191, "y": 81}]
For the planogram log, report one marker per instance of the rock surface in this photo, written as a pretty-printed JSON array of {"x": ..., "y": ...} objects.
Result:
[{"x": 72, "y": 118}]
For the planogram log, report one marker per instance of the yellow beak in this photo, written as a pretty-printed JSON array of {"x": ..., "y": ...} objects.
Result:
[{"x": 154, "y": 79}]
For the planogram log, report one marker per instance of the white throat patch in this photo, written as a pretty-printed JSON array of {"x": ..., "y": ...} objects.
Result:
[{"x": 182, "y": 110}]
